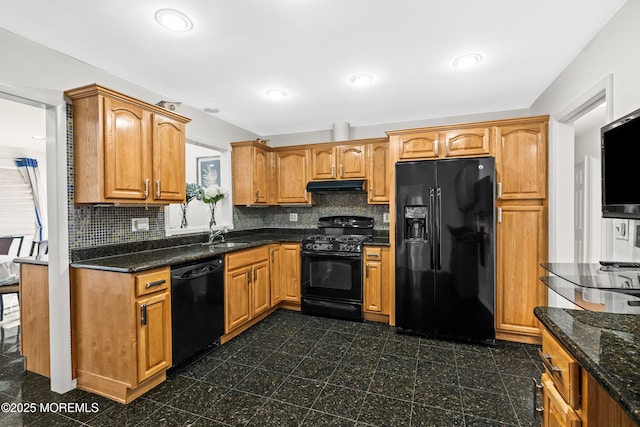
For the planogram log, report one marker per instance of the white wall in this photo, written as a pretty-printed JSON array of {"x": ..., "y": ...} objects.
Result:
[{"x": 612, "y": 51}]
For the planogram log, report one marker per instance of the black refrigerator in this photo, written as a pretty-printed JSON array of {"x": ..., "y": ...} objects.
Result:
[{"x": 445, "y": 248}]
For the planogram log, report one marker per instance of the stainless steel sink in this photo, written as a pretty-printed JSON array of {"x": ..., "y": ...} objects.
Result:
[{"x": 224, "y": 244}]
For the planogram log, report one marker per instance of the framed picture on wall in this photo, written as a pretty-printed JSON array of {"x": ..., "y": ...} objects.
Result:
[{"x": 208, "y": 169}]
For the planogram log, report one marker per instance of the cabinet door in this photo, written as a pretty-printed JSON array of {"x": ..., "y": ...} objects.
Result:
[
  {"x": 467, "y": 142},
  {"x": 236, "y": 297},
  {"x": 291, "y": 286},
  {"x": 291, "y": 176},
  {"x": 127, "y": 151},
  {"x": 275, "y": 272},
  {"x": 376, "y": 283},
  {"x": 154, "y": 334},
  {"x": 352, "y": 161},
  {"x": 323, "y": 163},
  {"x": 260, "y": 289},
  {"x": 168, "y": 159},
  {"x": 260, "y": 175},
  {"x": 419, "y": 145},
  {"x": 521, "y": 161},
  {"x": 378, "y": 173},
  {"x": 518, "y": 270}
]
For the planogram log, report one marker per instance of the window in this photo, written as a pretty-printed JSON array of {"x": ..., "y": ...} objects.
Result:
[{"x": 17, "y": 212}]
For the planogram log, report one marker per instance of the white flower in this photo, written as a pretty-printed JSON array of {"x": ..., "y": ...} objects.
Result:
[{"x": 212, "y": 191}]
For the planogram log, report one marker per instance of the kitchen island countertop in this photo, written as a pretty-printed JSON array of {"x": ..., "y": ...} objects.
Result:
[{"x": 607, "y": 345}]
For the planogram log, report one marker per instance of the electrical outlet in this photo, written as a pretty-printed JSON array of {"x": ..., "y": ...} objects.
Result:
[
  {"x": 385, "y": 217},
  {"x": 621, "y": 229},
  {"x": 293, "y": 217},
  {"x": 139, "y": 224}
]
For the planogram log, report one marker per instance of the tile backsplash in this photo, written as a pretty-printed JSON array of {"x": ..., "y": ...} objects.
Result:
[{"x": 97, "y": 226}]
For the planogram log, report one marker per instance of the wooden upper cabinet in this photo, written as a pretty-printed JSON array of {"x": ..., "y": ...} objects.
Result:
[
  {"x": 378, "y": 173},
  {"x": 323, "y": 163},
  {"x": 125, "y": 150},
  {"x": 127, "y": 144},
  {"x": 338, "y": 162},
  {"x": 168, "y": 155},
  {"x": 291, "y": 176},
  {"x": 466, "y": 142},
  {"x": 351, "y": 161},
  {"x": 521, "y": 160},
  {"x": 251, "y": 172},
  {"x": 415, "y": 145}
]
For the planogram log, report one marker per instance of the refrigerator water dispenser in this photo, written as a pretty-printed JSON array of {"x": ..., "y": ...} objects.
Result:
[{"x": 415, "y": 223}]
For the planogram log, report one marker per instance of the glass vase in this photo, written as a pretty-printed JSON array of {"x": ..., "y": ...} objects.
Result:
[
  {"x": 212, "y": 220},
  {"x": 183, "y": 208}
]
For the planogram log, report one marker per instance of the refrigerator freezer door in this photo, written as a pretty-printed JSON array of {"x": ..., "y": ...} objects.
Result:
[
  {"x": 465, "y": 277},
  {"x": 415, "y": 275}
]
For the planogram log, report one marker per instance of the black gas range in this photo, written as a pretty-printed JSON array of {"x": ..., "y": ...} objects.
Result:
[{"x": 332, "y": 272}]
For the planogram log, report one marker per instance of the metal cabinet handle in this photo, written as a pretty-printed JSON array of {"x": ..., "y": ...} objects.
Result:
[
  {"x": 155, "y": 283},
  {"x": 333, "y": 171},
  {"x": 499, "y": 215},
  {"x": 367, "y": 271},
  {"x": 341, "y": 171},
  {"x": 436, "y": 146},
  {"x": 447, "y": 146},
  {"x": 546, "y": 361},
  {"x": 146, "y": 187},
  {"x": 257, "y": 194},
  {"x": 143, "y": 314},
  {"x": 158, "y": 188},
  {"x": 499, "y": 190},
  {"x": 249, "y": 276},
  {"x": 255, "y": 275},
  {"x": 373, "y": 255},
  {"x": 538, "y": 409}
]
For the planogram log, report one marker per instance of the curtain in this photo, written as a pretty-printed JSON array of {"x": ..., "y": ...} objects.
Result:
[{"x": 29, "y": 169}]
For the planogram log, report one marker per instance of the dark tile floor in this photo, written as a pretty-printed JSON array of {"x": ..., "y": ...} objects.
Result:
[{"x": 293, "y": 370}]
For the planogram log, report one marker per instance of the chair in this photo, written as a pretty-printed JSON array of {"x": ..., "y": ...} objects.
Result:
[
  {"x": 10, "y": 247},
  {"x": 39, "y": 247}
]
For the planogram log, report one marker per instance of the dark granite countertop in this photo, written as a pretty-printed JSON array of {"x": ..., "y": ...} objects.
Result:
[
  {"x": 130, "y": 258},
  {"x": 607, "y": 345}
]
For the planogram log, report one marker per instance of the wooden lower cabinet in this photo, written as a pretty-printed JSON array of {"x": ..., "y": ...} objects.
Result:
[
  {"x": 247, "y": 290},
  {"x": 570, "y": 396},
  {"x": 290, "y": 272},
  {"x": 376, "y": 281},
  {"x": 34, "y": 318},
  {"x": 521, "y": 246},
  {"x": 121, "y": 331}
]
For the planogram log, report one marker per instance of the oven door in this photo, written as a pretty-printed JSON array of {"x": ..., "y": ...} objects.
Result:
[{"x": 332, "y": 276}]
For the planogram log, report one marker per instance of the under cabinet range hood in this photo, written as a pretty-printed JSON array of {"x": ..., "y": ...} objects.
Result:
[{"x": 344, "y": 186}]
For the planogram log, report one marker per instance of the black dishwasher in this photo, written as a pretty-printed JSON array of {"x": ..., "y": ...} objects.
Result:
[{"x": 197, "y": 307}]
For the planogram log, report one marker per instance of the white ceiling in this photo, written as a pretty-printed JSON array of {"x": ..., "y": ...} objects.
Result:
[
  {"x": 239, "y": 49},
  {"x": 19, "y": 123}
]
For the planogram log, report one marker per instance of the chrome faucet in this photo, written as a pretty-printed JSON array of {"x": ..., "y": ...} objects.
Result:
[{"x": 213, "y": 235}]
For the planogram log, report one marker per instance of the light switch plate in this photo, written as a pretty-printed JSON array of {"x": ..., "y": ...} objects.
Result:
[
  {"x": 139, "y": 224},
  {"x": 385, "y": 217},
  {"x": 293, "y": 217}
]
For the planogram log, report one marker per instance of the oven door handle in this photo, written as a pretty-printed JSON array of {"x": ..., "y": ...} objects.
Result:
[{"x": 332, "y": 254}]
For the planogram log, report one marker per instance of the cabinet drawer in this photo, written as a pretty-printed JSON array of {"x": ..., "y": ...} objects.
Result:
[
  {"x": 562, "y": 368},
  {"x": 556, "y": 411},
  {"x": 152, "y": 281},
  {"x": 240, "y": 259}
]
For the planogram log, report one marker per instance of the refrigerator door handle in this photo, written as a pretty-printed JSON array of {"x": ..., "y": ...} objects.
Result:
[
  {"x": 432, "y": 203},
  {"x": 438, "y": 224}
]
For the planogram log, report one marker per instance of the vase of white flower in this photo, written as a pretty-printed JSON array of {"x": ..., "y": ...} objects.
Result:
[{"x": 212, "y": 194}]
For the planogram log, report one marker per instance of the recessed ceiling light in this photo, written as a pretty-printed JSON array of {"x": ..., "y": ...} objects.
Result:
[
  {"x": 211, "y": 110},
  {"x": 360, "y": 79},
  {"x": 276, "y": 93},
  {"x": 467, "y": 61},
  {"x": 174, "y": 20}
]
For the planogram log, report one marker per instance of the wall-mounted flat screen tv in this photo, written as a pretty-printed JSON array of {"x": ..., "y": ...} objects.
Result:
[{"x": 621, "y": 167}]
